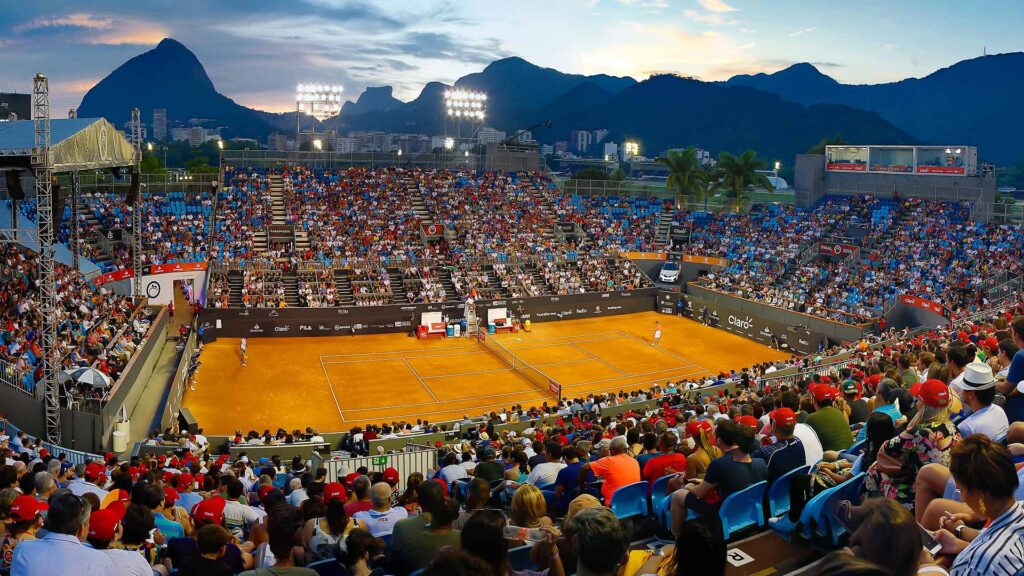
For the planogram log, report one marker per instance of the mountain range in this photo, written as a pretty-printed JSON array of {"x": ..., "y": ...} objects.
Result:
[{"x": 778, "y": 114}]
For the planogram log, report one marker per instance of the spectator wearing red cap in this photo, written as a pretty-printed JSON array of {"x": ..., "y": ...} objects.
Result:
[
  {"x": 183, "y": 551},
  {"x": 61, "y": 551},
  {"x": 828, "y": 422},
  {"x": 361, "y": 488},
  {"x": 324, "y": 537},
  {"x": 184, "y": 484},
  {"x": 787, "y": 453},
  {"x": 23, "y": 521},
  {"x": 927, "y": 439},
  {"x": 701, "y": 437},
  {"x": 154, "y": 498},
  {"x": 91, "y": 479},
  {"x": 104, "y": 530}
]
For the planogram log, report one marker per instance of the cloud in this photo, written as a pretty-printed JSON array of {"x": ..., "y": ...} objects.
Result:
[
  {"x": 79, "y": 20},
  {"x": 398, "y": 65},
  {"x": 712, "y": 18},
  {"x": 139, "y": 36},
  {"x": 717, "y": 6},
  {"x": 654, "y": 5},
  {"x": 828, "y": 65},
  {"x": 746, "y": 46},
  {"x": 746, "y": 30},
  {"x": 804, "y": 31}
]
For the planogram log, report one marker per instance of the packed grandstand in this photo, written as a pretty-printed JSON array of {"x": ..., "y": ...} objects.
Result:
[{"x": 859, "y": 444}]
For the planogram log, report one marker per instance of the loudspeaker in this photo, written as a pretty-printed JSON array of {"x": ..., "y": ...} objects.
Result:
[
  {"x": 14, "y": 189},
  {"x": 57, "y": 203},
  {"x": 133, "y": 189}
]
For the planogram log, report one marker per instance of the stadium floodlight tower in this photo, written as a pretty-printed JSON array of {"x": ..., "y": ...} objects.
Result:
[
  {"x": 464, "y": 114},
  {"x": 320, "y": 102}
]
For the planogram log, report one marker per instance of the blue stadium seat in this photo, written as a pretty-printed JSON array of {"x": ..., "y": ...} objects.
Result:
[
  {"x": 519, "y": 558},
  {"x": 630, "y": 500},
  {"x": 329, "y": 567},
  {"x": 856, "y": 449},
  {"x": 659, "y": 492},
  {"x": 743, "y": 509},
  {"x": 778, "y": 492}
]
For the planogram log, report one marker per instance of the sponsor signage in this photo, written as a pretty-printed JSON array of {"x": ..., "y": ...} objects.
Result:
[
  {"x": 836, "y": 249},
  {"x": 430, "y": 230},
  {"x": 848, "y": 167},
  {"x": 941, "y": 170},
  {"x": 711, "y": 260},
  {"x": 237, "y": 322},
  {"x": 924, "y": 304},
  {"x": 281, "y": 230},
  {"x": 123, "y": 274},
  {"x": 112, "y": 234},
  {"x": 179, "y": 267},
  {"x": 753, "y": 327}
]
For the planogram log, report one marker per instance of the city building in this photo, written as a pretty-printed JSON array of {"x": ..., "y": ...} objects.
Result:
[
  {"x": 611, "y": 151},
  {"x": 562, "y": 146},
  {"x": 15, "y": 106},
  {"x": 159, "y": 123},
  {"x": 276, "y": 141},
  {"x": 599, "y": 135},
  {"x": 546, "y": 149},
  {"x": 581, "y": 140},
  {"x": 347, "y": 145},
  {"x": 703, "y": 156},
  {"x": 524, "y": 137},
  {"x": 487, "y": 135}
]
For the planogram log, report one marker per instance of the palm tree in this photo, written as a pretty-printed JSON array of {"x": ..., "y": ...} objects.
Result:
[
  {"x": 685, "y": 175},
  {"x": 819, "y": 148},
  {"x": 740, "y": 172}
]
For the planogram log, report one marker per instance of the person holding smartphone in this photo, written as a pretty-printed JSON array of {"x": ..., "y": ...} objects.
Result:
[{"x": 889, "y": 536}]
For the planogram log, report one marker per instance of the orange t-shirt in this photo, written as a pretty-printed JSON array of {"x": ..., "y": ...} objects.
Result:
[{"x": 617, "y": 471}]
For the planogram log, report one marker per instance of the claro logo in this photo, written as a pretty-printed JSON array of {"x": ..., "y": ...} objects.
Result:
[{"x": 744, "y": 323}]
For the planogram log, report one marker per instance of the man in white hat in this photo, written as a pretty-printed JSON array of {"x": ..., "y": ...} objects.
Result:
[{"x": 978, "y": 390}]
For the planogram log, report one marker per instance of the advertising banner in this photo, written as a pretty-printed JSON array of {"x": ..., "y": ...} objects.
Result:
[
  {"x": 114, "y": 276},
  {"x": 924, "y": 304},
  {"x": 845, "y": 167},
  {"x": 941, "y": 170},
  {"x": 768, "y": 332},
  {"x": 432, "y": 230},
  {"x": 710, "y": 260},
  {"x": 180, "y": 267},
  {"x": 349, "y": 320},
  {"x": 836, "y": 249},
  {"x": 112, "y": 234}
]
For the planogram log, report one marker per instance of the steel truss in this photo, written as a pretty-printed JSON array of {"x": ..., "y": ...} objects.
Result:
[{"x": 42, "y": 165}]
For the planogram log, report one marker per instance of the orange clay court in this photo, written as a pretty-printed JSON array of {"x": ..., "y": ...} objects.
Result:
[{"x": 335, "y": 383}]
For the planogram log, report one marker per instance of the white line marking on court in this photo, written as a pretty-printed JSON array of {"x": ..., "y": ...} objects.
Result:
[
  {"x": 602, "y": 361},
  {"x": 466, "y": 399},
  {"x": 552, "y": 345},
  {"x": 686, "y": 374},
  {"x": 397, "y": 355},
  {"x": 331, "y": 386},
  {"x": 422, "y": 383},
  {"x": 561, "y": 363},
  {"x": 469, "y": 373},
  {"x": 672, "y": 354}
]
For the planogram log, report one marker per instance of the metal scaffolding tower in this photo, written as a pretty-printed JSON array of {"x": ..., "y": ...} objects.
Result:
[
  {"x": 137, "y": 206},
  {"x": 42, "y": 165}
]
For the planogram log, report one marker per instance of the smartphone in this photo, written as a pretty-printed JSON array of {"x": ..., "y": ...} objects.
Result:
[{"x": 928, "y": 540}]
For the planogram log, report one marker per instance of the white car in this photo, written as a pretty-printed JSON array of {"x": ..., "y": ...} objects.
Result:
[{"x": 669, "y": 273}]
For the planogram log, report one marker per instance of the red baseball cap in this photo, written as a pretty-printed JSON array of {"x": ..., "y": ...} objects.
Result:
[
  {"x": 783, "y": 416},
  {"x": 821, "y": 392},
  {"x": 93, "y": 471},
  {"x": 25, "y": 508},
  {"x": 116, "y": 495},
  {"x": 210, "y": 511},
  {"x": 915, "y": 389},
  {"x": 103, "y": 523},
  {"x": 391, "y": 476},
  {"x": 934, "y": 393},
  {"x": 693, "y": 427},
  {"x": 335, "y": 490},
  {"x": 748, "y": 420},
  {"x": 171, "y": 495},
  {"x": 43, "y": 452},
  {"x": 184, "y": 480},
  {"x": 264, "y": 490},
  {"x": 350, "y": 478}
]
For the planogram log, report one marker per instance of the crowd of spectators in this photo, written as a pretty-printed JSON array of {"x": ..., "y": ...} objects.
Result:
[
  {"x": 94, "y": 327},
  {"x": 243, "y": 211},
  {"x": 614, "y": 223}
]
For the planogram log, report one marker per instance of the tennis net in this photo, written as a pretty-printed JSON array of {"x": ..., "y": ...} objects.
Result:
[{"x": 540, "y": 380}]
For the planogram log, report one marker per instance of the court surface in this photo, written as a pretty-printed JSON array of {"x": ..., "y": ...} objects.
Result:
[{"x": 335, "y": 383}]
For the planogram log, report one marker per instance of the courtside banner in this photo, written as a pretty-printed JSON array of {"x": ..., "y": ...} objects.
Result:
[
  {"x": 180, "y": 267},
  {"x": 123, "y": 274},
  {"x": 710, "y": 260},
  {"x": 349, "y": 320},
  {"x": 761, "y": 330},
  {"x": 924, "y": 303},
  {"x": 836, "y": 249}
]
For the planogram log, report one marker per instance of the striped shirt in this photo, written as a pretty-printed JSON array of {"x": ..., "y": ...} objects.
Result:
[{"x": 998, "y": 550}]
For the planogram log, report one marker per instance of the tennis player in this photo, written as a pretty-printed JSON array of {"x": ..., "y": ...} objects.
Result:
[
  {"x": 243, "y": 346},
  {"x": 657, "y": 334}
]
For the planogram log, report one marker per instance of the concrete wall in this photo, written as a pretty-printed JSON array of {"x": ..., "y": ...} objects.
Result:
[{"x": 813, "y": 182}]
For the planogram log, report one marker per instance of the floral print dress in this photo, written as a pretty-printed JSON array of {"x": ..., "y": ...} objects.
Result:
[{"x": 926, "y": 444}]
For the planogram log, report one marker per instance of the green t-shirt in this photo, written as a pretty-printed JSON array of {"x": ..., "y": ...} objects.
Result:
[
  {"x": 831, "y": 428},
  {"x": 413, "y": 547}
]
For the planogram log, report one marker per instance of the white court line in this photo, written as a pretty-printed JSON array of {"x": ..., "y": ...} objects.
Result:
[
  {"x": 659, "y": 379},
  {"x": 399, "y": 355},
  {"x": 468, "y": 373},
  {"x": 672, "y": 354},
  {"x": 585, "y": 334},
  {"x": 468, "y": 398},
  {"x": 331, "y": 386},
  {"x": 561, "y": 363},
  {"x": 602, "y": 361},
  {"x": 422, "y": 383},
  {"x": 552, "y": 345}
]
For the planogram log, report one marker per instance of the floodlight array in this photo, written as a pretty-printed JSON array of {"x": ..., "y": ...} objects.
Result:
[
  {"x": 320, "y": 101},
  {"x": 465, "y": 104}
]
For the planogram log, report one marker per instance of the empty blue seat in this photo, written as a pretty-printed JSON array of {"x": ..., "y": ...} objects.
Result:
[
  {"x": 659, "y": 492},
  {"x": 630, "y": 500},
  {"x": 519, "y": 558}
]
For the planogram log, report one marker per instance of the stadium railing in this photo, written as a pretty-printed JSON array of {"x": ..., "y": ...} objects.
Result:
[
  {"x": 73, "y": 456},
  {"x": 13, "y": 377},
  {"x": 412, "y": 458}
]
